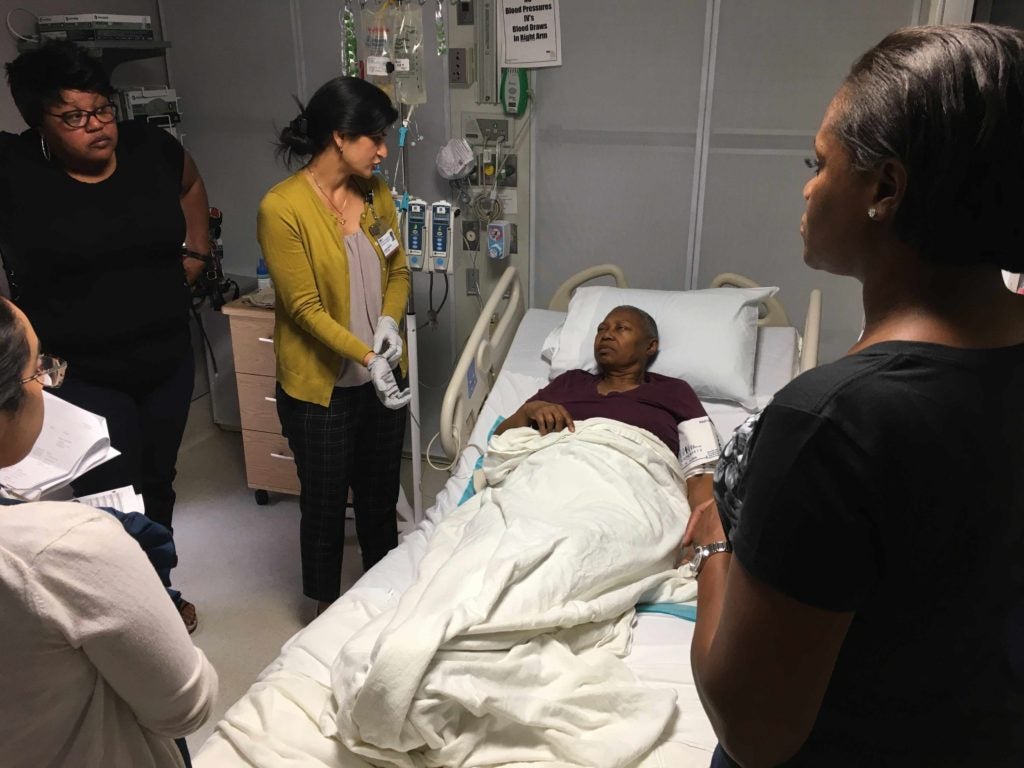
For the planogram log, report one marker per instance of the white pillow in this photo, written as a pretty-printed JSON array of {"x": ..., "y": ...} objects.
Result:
[
  {"x": 708, "y": 337},
  {"x": 550, "y": 346}
]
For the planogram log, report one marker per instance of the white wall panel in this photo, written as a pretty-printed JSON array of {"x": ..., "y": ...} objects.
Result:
[
  {"x": 778, "y": 64},
  {"x": 592, "y": 214},
  {"x": 780, "y": 61},
  {"x": 616, "y": 128},
  {"x": 753, "y": 228},
  {"x": 232, "y": 66}
]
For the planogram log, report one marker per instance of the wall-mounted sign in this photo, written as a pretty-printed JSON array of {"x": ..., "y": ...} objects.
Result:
[{"x": 529, "y": 34}]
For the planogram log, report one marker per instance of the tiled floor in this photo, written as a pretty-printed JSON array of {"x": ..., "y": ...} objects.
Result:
[{"x": 239, "y": 562}]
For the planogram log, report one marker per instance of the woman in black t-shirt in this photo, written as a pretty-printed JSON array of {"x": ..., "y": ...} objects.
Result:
[
  {"x": 93, "y": 215},
  {"x": 872, "y": 611}
]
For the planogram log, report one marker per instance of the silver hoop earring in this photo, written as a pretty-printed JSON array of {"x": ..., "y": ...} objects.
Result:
[
  {"x": 44, "y": 148},
  {"x": 872, "y": 213}
]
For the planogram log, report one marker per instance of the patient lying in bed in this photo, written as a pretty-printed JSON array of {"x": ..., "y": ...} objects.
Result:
[{"x": 625, "y": 346}]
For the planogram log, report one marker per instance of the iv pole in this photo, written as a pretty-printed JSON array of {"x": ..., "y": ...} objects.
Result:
[{"x": 411, "y": 341}]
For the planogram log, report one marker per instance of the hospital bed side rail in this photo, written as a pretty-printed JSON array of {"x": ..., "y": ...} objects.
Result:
[
  {"x": 480, "y": 362},
  {"x": 772, "y": 313},
  {"x": 560, "y": 300},
  {"x": 812, "y": 331},
  {"x": 487, "y": 346}
]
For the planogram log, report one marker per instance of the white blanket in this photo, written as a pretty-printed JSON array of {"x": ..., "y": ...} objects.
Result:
[{"x": 506, "y": 650}]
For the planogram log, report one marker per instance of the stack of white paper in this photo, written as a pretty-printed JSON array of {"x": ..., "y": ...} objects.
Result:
[
  {"x": 122, "y": 499},
  {"x": 72, "y": 442}
]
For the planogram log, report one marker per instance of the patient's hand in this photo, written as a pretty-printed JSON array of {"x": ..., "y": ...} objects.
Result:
[
  {"x": 548, "y": 417},
  {"x": 704, "y": 525}
]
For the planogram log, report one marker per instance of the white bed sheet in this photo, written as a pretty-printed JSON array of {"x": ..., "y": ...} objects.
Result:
[{"x": 275, "y": 724}]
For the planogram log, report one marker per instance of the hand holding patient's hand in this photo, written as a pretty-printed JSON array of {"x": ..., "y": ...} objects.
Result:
[{"x": 548, "y": 417}]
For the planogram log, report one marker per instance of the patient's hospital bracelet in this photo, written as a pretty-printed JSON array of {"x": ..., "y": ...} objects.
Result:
[
  {"x": 699, "y": 446},
  {"x": 703, "y": 551}
]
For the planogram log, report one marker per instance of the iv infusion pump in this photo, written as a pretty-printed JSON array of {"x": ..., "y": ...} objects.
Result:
[
  {"x": 416, "y": 232},
  {"x": 441, "y": 219},
  {"x": 428, "y": 235}
]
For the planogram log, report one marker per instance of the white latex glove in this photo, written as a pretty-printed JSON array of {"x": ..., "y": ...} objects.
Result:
[
  {"x": 387, "y": 341},
  {"x": 383, "y": 379}
]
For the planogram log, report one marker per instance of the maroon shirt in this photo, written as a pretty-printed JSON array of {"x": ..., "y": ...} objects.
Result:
[{"x": 658, "y": 405}]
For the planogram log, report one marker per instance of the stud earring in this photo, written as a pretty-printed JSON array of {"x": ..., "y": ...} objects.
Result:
[
  {"x": 872, "y": 213},
  {"x": 44, "y": 148}
]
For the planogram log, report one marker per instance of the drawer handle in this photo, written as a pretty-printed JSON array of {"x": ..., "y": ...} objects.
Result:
[
  {"x": 282, "y": 456},
  {"x": 265, "y": 340},
  {"x": 270, "y": 399}
]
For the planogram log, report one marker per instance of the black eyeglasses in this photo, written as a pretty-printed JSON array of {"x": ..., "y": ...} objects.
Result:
[
  {"x": 79, "y": 118},
  {"x": 50, "y": 372}
]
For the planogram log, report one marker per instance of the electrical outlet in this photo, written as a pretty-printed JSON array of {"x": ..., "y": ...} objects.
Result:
[
  {"x": 472, "y": 282},
  {"x": 471, "y": 235},
  {"x": 460, "y": 73},
  {"x": 480, "y": 129},
  {"x": 464, "y": 12}
]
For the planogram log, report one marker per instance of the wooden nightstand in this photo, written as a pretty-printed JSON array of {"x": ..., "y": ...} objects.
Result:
[{"x": 269, "y": 464}]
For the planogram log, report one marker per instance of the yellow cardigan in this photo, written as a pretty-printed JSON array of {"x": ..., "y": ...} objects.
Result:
[{"x": 305, "y": 253}]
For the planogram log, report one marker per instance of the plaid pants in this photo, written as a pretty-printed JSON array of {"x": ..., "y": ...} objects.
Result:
[{"x": 353, "y": 442}]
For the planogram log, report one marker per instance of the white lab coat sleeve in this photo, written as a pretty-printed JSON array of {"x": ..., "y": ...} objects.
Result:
[
  {"x": 99, "y": 589},
  {"x": 699, "y": 446}
]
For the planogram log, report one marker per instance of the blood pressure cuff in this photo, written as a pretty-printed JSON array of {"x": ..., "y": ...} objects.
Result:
[{"x": 699, "y": 446}]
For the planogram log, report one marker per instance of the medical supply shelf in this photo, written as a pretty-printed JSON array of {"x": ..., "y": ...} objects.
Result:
[
  {"x": 269, "y": 464},
  {"x": 113, "y": 52}
]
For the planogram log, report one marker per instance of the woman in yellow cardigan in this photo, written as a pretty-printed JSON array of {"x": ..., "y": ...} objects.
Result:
[{"x": 329, "y": 235}]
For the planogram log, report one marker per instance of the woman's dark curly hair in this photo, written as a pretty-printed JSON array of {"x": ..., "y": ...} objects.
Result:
[
  {"x": 38, "y": 76},
  {"x": 948, "y": 103}
]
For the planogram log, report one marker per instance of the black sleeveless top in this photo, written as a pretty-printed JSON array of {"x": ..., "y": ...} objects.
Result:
[{"x": 97, "y": 267}]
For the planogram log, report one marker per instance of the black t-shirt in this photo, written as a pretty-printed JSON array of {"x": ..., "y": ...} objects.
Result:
[
  {"x": 97, "y": 267},
  {"x": 891, "y": 483}
]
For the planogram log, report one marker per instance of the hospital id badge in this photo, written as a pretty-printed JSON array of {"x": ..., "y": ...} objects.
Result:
[{"x": 388, "y": 243}]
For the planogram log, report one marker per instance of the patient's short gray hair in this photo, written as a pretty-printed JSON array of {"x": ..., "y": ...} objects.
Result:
[{"x": 648, "y": 323}]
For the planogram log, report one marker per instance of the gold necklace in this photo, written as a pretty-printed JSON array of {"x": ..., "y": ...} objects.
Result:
[{"x": 341, "y": 213}]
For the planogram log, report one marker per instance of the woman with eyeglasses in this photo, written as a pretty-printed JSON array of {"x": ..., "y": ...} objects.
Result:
[
  {"x": 97, "y": 668},
  {"x": 93, "y": 214},
  {"x": 330, "y": 237}
]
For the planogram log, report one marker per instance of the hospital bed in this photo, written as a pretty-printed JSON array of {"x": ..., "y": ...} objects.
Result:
[{"x": 275, "y": 724}]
